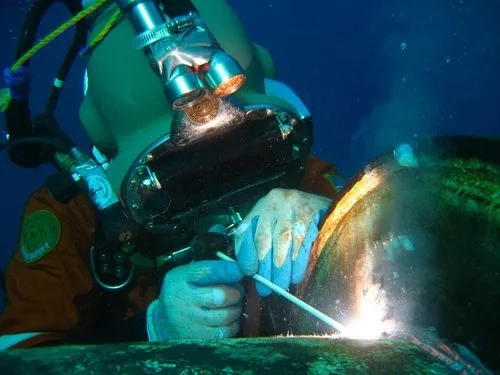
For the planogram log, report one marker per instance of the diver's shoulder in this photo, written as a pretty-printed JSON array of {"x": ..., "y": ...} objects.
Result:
[{"x": 43, "y": 194}]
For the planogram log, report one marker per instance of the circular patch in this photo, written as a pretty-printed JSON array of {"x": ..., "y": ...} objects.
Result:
[
  {"x": 40, "y": 234},
  {"x": 203, "y": 110}
]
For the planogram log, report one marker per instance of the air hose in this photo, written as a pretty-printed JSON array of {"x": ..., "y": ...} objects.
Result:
[{"x": 34, "y": 142}]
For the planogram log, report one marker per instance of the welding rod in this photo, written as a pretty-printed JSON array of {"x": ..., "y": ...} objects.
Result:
[{"x": 298, "y": 302}]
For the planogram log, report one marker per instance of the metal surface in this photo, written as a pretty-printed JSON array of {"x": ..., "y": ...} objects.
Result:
[{"x": 412, "y": 247}]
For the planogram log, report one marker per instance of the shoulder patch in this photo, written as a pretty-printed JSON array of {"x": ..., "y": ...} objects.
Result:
[{"x": 40, "y": 234}]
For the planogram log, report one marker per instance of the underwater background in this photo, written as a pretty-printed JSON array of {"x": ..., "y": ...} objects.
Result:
[{"x": 373, "y": 74}]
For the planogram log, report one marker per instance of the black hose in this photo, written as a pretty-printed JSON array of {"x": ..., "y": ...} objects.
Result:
[
  {"x": 34, "y": 18},
  {"x": 78, "y": 43},
  {"x": 38, "y": 141},
  {"x": 17, "y": 114},
  {"x": 29, "y": 153},
  {"x": 30, "y": 26}
]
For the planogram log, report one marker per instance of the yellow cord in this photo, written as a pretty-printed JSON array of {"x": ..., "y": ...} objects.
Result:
[
  {"x": 5, "y": 96},
  {"x": 115, "y": 17}
]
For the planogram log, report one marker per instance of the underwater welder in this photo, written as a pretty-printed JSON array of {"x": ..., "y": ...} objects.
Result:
[{"x": 196, "y": 149}]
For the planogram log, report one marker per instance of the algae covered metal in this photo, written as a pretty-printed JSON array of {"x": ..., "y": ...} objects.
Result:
[
  {"x": 412, "y": 243},
  {"x": 276, "y": 355}
]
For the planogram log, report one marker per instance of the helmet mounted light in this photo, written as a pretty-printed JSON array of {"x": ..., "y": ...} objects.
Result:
[{"x": 184, "y": 52}]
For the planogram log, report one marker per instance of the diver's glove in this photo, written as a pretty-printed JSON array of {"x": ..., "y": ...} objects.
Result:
[
  {"x": 276, "y": 237},
  {"x": 200, "y": 300}
]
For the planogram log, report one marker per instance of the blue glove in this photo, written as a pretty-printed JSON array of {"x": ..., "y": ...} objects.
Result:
[
  {"x": 200, "y": 300},
  {"x": 275, "y": 239}
]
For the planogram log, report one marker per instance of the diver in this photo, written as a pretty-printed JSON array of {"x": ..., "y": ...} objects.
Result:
[{"x": 196, "y": 148}]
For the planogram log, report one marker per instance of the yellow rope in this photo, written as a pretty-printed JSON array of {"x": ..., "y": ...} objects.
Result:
[
  {"x": 115, "y": 17},
  {"x": 54, "y": 34},
  {"x": 5, "y": 96}
]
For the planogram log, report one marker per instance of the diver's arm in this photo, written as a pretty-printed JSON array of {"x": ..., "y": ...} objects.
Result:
[
  {"x": 317, "y": 180},
  {"x": 49, "y": 287}
]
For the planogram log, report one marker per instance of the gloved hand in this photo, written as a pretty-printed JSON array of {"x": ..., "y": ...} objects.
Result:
[
  {"x": 276, "y": 237},
  {"x": 200, "y": 300}
]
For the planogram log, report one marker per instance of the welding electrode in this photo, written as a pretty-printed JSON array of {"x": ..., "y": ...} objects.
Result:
[{"x": 298, "y": 302}]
